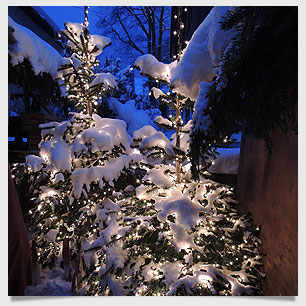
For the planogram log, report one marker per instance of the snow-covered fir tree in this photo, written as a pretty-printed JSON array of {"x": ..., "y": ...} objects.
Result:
[
  {"x": 83, "y": 86},
  {"x": 160, "y": 72},
  {"x": 110, "y": 216}
]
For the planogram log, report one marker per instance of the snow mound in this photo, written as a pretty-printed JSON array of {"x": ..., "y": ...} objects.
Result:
[
  {"x": 109, "y": 172},
  {"x": 107, "y": 134},
  {"x": 163, "y": 121},
  {"x": 157, "y": 177},
  {"x": 185, "y": 211},
  {"x": 34, "y": 162},
  {"x": 144, "y": 132},
  {"x": 76, "y": 28}
]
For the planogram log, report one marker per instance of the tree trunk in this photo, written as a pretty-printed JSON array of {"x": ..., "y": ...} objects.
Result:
[
  {"x": 153, "y": 33},
  {"x": 160, "y": 34},
  {"x": 89, "y": 108},
  {"x": 178, "y": 141}
]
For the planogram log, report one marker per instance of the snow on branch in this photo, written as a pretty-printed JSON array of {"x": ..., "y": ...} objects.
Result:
[
  {"x": 96, "y": 43},
  {"x": 151, "y": 67},
  {"x": 163, "y": 122},
  {"x": 101, "y": 42},
  {"x": 200, "y": 60},
  {"x": 107, "y": 79},
  {"x": 157, "y": 92}
]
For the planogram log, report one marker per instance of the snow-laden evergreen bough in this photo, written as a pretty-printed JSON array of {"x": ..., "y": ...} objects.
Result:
[{"x": 137, "y": 230}]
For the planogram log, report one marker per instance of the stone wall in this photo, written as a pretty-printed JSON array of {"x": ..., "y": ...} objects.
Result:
[{"x": 268, "y": 188}]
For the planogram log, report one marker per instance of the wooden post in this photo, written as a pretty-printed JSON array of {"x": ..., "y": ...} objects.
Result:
[
  {"x": 35, "y": 265},
  {"x": 66, "y": 259}
]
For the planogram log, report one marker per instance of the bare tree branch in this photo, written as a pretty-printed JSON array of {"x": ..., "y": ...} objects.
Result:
[
  {"x": 131, "y": 42},
  {"x": 131, "y": 10}
]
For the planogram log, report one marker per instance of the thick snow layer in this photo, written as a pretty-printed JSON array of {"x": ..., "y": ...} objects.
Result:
[
  {"x": 109, "y": 172},
  {"x": 102, "y": 139},
  {"x": 135, "y": 118},
  {"x": 40, "y": 54},
  {"x": 150, "y": 66},
  {"x": 144, "y": 132},
  {"x": 202, "y": 55},
  {"x": 158, "y": 140},
  {"x": 77, "y": 30},
  {"x": 157, "y": 177},
  {"x": 227, "y": 162},
  {"x": 107, "y": 79},
  {"x": 34, "y": 162},
  {"x": 58, "y": 153},
  {"x": 115, "y": 126},
  {"x": 100, "y": 41},
  {"x": 186, "y": 211}
]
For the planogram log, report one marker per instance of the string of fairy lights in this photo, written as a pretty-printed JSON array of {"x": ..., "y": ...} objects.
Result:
[{"x": 178, "y": 32}]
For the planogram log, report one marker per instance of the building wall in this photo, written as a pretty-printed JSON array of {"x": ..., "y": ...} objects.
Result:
[{"x": 268, "y": 188}]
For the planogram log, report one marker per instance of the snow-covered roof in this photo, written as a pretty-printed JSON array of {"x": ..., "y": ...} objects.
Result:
[{"x": 40, "y": 54}]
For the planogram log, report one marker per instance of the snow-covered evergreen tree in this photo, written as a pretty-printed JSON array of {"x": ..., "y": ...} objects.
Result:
[
  {"x": 84, "y": 87},
  {"x": 160, "y": 72}
]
